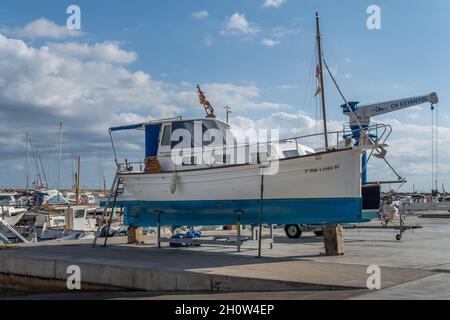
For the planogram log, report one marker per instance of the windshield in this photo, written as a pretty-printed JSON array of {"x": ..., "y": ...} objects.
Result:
[
  {"x": 212, "y": 132},
  {"x": 5, "y": 199}
]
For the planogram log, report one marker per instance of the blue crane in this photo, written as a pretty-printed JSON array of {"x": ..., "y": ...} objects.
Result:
[{"x": 360, "y": 116}]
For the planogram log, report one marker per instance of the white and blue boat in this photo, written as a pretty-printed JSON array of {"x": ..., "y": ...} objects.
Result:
[{"x": 310, "y": 187}]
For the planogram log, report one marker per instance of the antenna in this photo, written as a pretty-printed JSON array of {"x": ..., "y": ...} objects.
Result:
[{"x": 228, "y": 112}]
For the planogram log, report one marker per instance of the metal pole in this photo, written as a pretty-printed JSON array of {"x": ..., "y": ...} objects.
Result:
[
  {"x": 28, "y": 161},
  {"x": 239, "y": 232},
  {"x": 113, "y": 208},
  {"x": 60, "y": 156},
  {"x": 77, "y": 188},
  {"x": 320, "y": 56},
  {"x": 159, "y": 228},
  {"x": 271, "y": 236},
  {"x": 261, "y": 213}
]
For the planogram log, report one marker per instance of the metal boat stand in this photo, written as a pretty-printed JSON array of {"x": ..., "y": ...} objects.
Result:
[
  {"x": 401, "y": 227},
  {"x": 219, "y": 240}
]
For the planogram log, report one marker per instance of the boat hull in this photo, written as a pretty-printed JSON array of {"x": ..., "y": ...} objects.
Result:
[
  {"x": 223, "y": 212},
  {"x": 317, "y": 189}
]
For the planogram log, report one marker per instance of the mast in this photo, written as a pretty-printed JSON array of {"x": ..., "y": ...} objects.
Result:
[
  {"x": 320, "y": 56},
  {"x": 27, "y": 162},
  {"x": 77, "y": 181},
  {"x": 43, "y": 171},
  {"x": 102, "y": 173},
  {"x": 60, "y": 156}
]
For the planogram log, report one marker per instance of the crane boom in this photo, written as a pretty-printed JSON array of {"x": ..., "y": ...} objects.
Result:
[{"x": 365, "y": 112}]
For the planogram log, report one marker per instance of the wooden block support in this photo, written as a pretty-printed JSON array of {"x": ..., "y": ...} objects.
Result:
[
  {"x": 135, "y": 236},
  {"x": 333, "y": 238}
]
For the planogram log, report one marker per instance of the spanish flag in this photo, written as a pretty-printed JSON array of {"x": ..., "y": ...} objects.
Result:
[{"x": 319, "y": 88}]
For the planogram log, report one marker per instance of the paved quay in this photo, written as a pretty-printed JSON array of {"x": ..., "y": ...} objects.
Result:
[{"x": 294, "y": 269}]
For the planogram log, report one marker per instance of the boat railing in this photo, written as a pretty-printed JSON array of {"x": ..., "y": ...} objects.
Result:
[{"x": 371, "y": 137}]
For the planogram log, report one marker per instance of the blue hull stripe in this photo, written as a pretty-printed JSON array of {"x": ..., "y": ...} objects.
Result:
[{"x": 221, "y": 212}]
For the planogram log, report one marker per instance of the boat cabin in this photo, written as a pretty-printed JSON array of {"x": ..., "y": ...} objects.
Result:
[{"x": 178, "y": 144}]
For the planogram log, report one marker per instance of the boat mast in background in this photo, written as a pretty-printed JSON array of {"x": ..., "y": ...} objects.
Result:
[
  {"x": 60, "y": 156},
  {"x": 59, "y": 160},
  {"x": 77, "y": 181},
  {"x": 27, "y": 161},
  {"x": 320, "y": 72},
  {"x": 102, "y": 172}
]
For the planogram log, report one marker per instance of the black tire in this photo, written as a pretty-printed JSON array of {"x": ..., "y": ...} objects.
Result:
[
  {"x": 319, "y": 233},
  {"x": 293, "y": 231}
]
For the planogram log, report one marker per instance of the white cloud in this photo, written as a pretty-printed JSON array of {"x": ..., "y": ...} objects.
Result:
[
  {"x": 240, "y": 98},
  {"x": 290, "y": 126},
  {"x": 208, "y": 40},
  {"x": 273, "y": 3},
  {"x": 106, "y": 51},
  {"x": 238, "y": 24},
  {"x": 200, "y": 14},
  {"x": 56, "y": 81},
  {"x": 89, "y": 88},
  {"x": 42, "y": 28},
  {"x": 287, "y": 87},
  {"x": 281, "y": 32},
  {"x": 269, "y": 43}
]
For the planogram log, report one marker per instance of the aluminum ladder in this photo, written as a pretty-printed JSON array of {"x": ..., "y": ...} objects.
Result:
[{"x": 115, "y": 188}]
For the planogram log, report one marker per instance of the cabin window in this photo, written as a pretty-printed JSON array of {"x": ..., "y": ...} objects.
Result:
[
  {"x": 199, "y": 138},
  {"x": 78, "y": 214},
  {"x": 165, "y": 141},
  {"x": 5, "y": 199},
  {"x": 291, "y": 153}
]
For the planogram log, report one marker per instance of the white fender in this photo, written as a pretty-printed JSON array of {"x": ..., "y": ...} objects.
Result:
[{"x": 173, "y": 182}]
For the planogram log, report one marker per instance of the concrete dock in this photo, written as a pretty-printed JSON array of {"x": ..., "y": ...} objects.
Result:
[{"x": 416, "y": 267}]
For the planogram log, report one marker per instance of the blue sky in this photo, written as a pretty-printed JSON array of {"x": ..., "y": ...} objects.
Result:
[{"x": 263, "y": 70}]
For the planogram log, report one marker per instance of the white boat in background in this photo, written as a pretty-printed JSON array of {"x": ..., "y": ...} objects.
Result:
[{"x": 10, "y": 210}]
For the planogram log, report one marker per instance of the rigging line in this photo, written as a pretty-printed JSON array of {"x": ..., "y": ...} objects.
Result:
[
  {"x": 38, "y": 174},
  {"x": 43, "y": 171},
  {"x": 346, "y": 102},
  {"x": 341, "y": 70},
  {"x": 307, "y": 91},
  {"x": 432, "y": 148}
]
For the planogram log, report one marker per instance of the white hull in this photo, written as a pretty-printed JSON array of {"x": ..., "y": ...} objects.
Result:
[
  {"x": 14, "y": 219},
  {"x": 328, "y": 175},
  {"x": 316, "y": 189}
]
